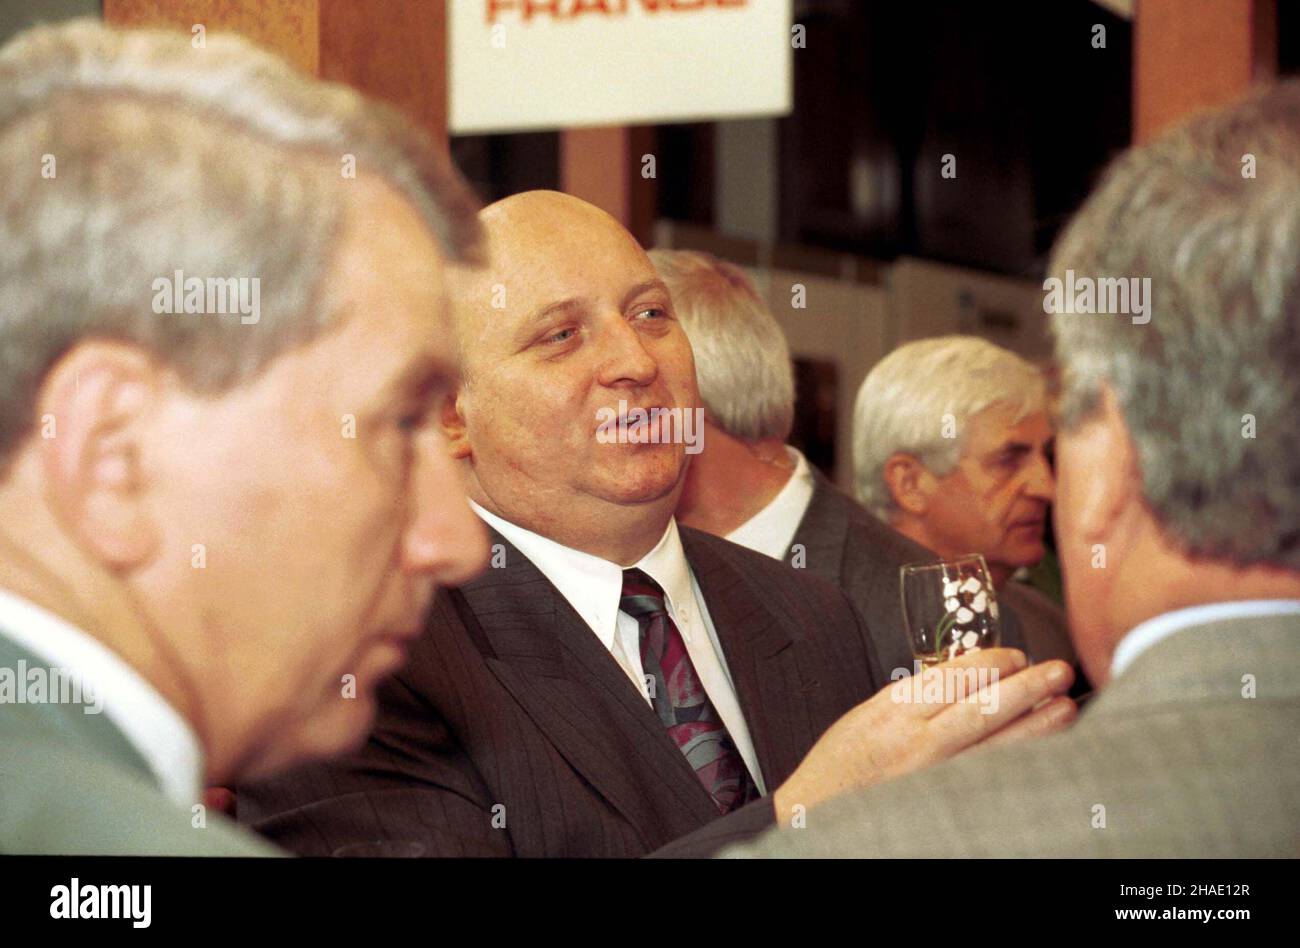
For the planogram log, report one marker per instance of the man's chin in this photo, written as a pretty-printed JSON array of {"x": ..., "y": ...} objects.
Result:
[
  {"x": 640, "y": 492},
  {"x": 640, "y": 480},
  {"x": 338, "y": 729},
  {"x": 340, "y": 722},
  {"x": 1025, "y": 555}
]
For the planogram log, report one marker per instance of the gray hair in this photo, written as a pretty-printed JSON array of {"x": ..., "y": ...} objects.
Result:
[
  {"x": 918, "y": 399},
  {"x": 1220, "y": 352},
  {"x": 129, "y": 155},
  {"x": 742, "y": 360}
]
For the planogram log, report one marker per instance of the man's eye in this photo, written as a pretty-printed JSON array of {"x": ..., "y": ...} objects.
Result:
[
  {"x": 412, "y": 421},
  {"x": 564, "y": 335},
  {"x": 651, "y": 312}
]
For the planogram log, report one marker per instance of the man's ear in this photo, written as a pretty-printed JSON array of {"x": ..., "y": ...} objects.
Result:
[
  {"x": 93, "y": 407},
  {"x": 451, "y": 418},
  {"x": 1105, "y": 479},
  {"x": 908, "y": 482}
]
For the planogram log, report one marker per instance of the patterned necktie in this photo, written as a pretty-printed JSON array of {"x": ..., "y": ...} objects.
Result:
[{"x": 680, "y": 700}]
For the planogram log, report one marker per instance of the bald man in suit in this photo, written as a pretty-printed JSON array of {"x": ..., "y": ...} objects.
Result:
[{"x": 615, "y": 682}]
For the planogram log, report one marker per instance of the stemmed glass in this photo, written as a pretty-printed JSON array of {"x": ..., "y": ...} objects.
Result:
[{"x": 949, "y": 607}]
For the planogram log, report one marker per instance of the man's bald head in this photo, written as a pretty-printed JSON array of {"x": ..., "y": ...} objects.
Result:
[
  {"x": 538, "y": 213},
  {"x": 526, "y": 233}
]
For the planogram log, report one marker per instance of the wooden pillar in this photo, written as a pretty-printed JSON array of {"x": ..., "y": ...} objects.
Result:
[
  {"x": 1190, "y": 55},
  {"x": 393, "y": 50},
  {"x": 290, "y": 28},
  {"x": 604, "y": 166}
]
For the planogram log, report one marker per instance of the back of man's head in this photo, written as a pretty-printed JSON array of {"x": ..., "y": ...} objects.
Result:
[
  {"x": 1188, "y": 414},
  {"x": 742, "y": 360}
]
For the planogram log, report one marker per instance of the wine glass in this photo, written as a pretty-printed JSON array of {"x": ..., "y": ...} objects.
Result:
[{"x": 950, "y": 607}]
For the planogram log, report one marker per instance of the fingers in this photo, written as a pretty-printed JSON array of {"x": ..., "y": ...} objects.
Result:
[
  {"x": 1008, "y": 661},
  {"x": 983, "y": 712},
  {"x": 1056, "y": 715},
  {"x": 928, "y": 694}
]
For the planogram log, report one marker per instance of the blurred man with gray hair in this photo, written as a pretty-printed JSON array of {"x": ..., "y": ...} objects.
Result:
[
  {"x": 1178, "y": 524},
  {"x": 950, "y": 447},
  {"x": 752, "y": 488},
  {"x": 223, "y": 509}
]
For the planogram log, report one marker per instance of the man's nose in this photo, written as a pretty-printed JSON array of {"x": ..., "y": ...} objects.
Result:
[
  {"x": 1040, "y": 483},
  {"x": 624, "y": 357},
  {"x": 444, "y": 539}
]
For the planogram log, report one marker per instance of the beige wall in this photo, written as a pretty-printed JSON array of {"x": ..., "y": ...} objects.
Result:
[
  {"x": 842, "y": 322},
  {"x": 934, "y": 299}
]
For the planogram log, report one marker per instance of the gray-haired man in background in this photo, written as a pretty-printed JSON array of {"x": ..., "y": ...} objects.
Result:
[
  {"x": 950, "y": 448},
  {"x": 1179, "y": 531},
  {"x": 222, "y": 512},
  {"x": 752, "y": 488}
]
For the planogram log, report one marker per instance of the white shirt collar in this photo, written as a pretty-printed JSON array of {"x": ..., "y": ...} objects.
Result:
[
  {"x": 1146, "y": 634},
  {"x": 593, "y": 586},
  {"x": 161, "y": 735},
  {"x": 772, "y": 529}
]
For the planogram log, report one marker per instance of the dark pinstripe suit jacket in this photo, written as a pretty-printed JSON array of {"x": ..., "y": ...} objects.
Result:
[{"x": 513, "y": 732}]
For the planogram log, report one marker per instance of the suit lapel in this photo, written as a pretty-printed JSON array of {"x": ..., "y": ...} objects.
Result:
[
  {"x": 581, "y": 700},
  {"x": 762, "y": 655},
  {"x": 823, "y": 532}
]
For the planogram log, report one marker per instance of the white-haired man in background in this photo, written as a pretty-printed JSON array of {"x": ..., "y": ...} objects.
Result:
[
  {"x": 752, "y": 488},
  {"x": 950, "y": 447}
]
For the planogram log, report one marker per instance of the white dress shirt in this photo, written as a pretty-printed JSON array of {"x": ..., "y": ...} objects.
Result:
[
  {"x": 1146, "y": 634},
  {"x": 772, "y": 529},
  {"x": 153, "y": 727},
  {"x": 594, "y": 586}
]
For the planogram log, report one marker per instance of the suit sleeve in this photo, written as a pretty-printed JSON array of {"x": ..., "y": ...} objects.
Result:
[
  {"x": 411, "y": 786},
  {"x": 742, "y": 826}
]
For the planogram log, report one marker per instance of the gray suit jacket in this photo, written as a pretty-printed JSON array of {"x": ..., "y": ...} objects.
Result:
[
  {"x": 846, "y": 544},
  {"x": 1174, "y": 758},
  {"x": 71, "y": 783}
]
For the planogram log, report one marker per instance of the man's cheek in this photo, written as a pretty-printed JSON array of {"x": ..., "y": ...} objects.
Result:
[{"x": 1001, "y": 509}]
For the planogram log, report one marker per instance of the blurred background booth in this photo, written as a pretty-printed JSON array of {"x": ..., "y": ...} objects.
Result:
[{"x": 887, "y": 171}]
